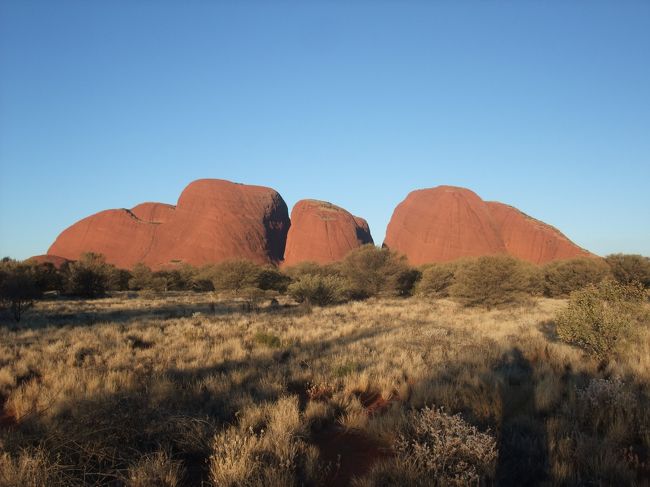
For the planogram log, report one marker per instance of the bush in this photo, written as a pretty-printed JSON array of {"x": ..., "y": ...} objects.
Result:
[
  {"x": 491, "y": 281},
  {"x": 19, "y": 287},
  {"x": 141, "y": 277},
  {"x": 318, "y": 289},
  {"x": 436, "y": 280},
  {"x": 90, "y": 276},
  {"x": 234, "y": 276},
  {"x": 371, "y": 271},
  {"x": 312, "y": 268},
  {"x": 272, "y": 279},
  {"x": 600, "y": 318},
  {"x": 563, "y": 277},
  {"x": 438, "y": 449},
  {"x": 628, "y": 268},
  {"x": 48, "y": 278}
]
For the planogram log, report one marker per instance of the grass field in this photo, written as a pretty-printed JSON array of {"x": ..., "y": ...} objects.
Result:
[{"x": 185, "y": 390}]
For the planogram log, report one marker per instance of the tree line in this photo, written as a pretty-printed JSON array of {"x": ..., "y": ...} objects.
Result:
[{"x": 365, "y": 272}]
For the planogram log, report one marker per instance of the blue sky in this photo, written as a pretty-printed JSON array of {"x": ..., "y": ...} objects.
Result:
[{"x": 542, "y": 105}]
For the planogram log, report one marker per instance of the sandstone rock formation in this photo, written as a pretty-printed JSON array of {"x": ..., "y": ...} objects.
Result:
[
  {"x": 531, "y": 239},
  {"x": 446, "y": 223},
  {"x": 214, "y": 220},
  {"x": 153, "y": 212},
  {"x": 55, "y": 260},
  {"x": 322, "y": 232}
]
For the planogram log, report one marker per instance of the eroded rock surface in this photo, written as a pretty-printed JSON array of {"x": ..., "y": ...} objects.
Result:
[
  {"x": 322, "y": 232},
  {"x": 447, "y": 223}
]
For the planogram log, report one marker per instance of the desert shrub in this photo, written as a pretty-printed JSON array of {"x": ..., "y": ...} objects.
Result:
[
  {"x": 311, "y": 268},
  {"x": 48, "y": 277},
  {"x": 19, "y": 287},
  {"x": 156, "y": 470},
  {"x": 119, "y": 279},
  {"x": 271, "y": 278},
  {"x": 275, "y": 456},
  {"x": 90, "y": 276},
  {"x": 141, "y": 277},
  {"x": 234, "y": 276},
  {"x": 491, "y": 281},
  {"x": 563, "y": 277},
  {"x": 629, "y": 268},
  {"x": 436, "y": 280},
  {"x": 371, "y": 271},
  {"x": 267, "y": 339},
  {"x": 30, "y": 468},
  {"x": 318, "y": 289},
  {"x": 438, "y": 449},
  {"x": 599, "y": 318},
  {"x": 187, "y": 278}
]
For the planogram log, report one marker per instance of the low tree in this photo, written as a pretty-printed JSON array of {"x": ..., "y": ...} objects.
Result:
[
  {"x": 436, "y": 280},
  {"x": 141, "y": 277},
  {"x": 90, "y": 276},
  {"x": 371, "y": 271},
  {"x": 271, "y": 278},
  {"x": 565, "y": 276},
  {"x": 491, "y": 281},
  {"x": 599, "y": 318},
  {"x": 19, "y": 287},
  {"x": 630, "y": 268},
  {"x": 318, "y": 289},
  {"x": 234, "y": 276}
]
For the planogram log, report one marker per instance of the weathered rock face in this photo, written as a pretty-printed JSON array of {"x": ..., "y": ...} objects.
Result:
[
  {"x": 447, "y": 223},
  {"x": 442, "y": 224},
  {"x": 322, "y": 232},
  {"x": 214, "y": 220},
  {"x": 153, "y": 212},
  {"x": 531, "y": 239}
]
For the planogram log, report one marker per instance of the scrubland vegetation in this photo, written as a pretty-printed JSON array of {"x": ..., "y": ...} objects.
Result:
[{"x": 364, "y": 373}]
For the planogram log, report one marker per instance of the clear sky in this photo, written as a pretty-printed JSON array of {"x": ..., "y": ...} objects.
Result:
[{"x": 542, "y": 105}]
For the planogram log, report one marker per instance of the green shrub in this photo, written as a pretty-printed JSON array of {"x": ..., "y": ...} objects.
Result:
[
  {"x": 271, "y": 278},
  {"x": 436, "y": 280},
  {"x": 600, "y": 318},
  {"x": 90, "y": 276},
  {"x": 491, "y": 281},
  {"x": 628, "y": 268},
  {"x": 234, "y": 276},
  {"x": 318, "y": 289},
  {"x": 141, "y": 277},
  {"x": 119, "y": 279},
  {"x": 311, "y": 268},
  {"x": 563, "y": 277},
  {"x": 267, "y": 339},
  {"x": 48, "y": 278},
  {"x": 371, "y": 271}
]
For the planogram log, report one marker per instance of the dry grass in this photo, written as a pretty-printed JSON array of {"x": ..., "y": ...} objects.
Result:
[{"x": 179, "y": 390}]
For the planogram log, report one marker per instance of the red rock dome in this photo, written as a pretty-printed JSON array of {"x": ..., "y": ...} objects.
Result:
[
  {"x": 55, "y": 260},
  {"x": 153, "y": 212},
  {"x": 531, "y": 239},
  {"x": 322, "y": 232},
  {"x": 447, "y": 223},
  {"x": 214, "y": 220}
]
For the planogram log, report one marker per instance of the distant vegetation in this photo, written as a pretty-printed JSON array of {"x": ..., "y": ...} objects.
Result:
[{"x": 365, "y": 272}]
